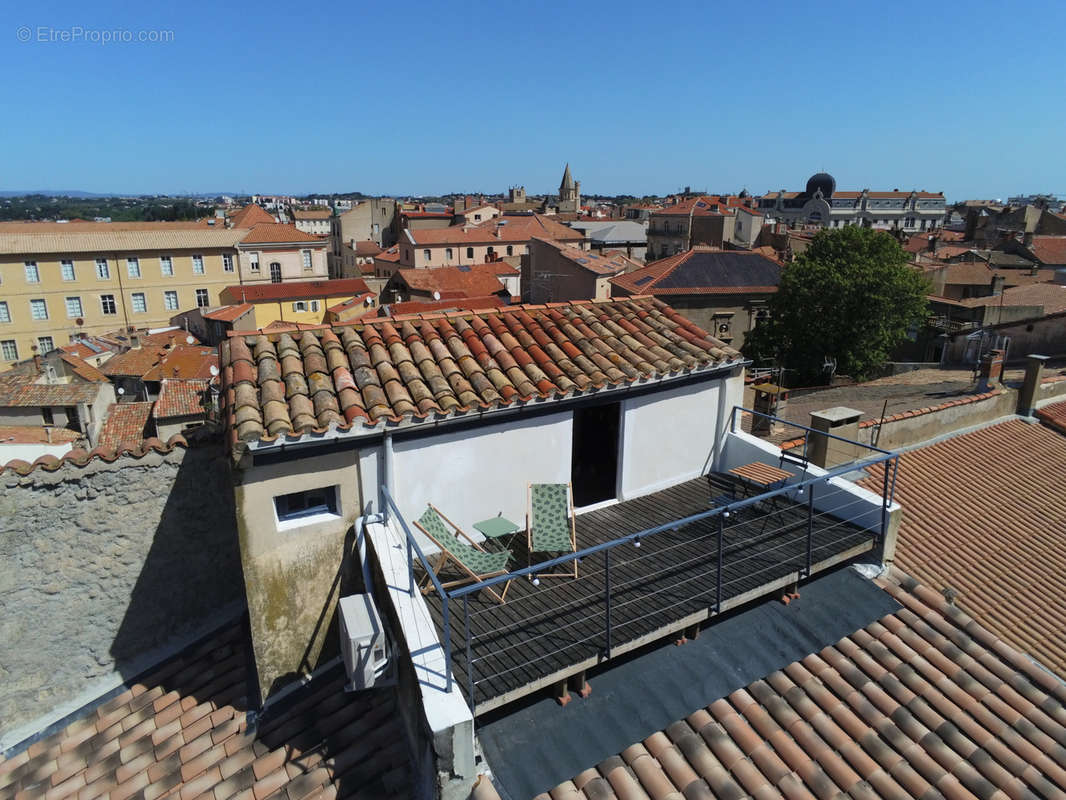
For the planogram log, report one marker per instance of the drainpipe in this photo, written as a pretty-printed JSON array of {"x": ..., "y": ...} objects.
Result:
[{"x": 380, "y": 518}]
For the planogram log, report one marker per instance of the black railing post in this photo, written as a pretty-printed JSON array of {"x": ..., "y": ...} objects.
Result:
[
  {"x": 607, "y": 599},
  {"x": 810, "y": 528},
  {"x": 718, "y": 584},
  {"x": 469, "y": 662},
  {"x": 446, "y": 620}
]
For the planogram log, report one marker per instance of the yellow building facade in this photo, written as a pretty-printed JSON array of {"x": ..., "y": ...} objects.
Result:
[
  {"x": 297, "y": 301},
  {"x": 62, "y": 280}
]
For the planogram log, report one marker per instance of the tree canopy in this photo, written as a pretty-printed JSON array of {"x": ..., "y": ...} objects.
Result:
[{"x": 848, "y": 299}]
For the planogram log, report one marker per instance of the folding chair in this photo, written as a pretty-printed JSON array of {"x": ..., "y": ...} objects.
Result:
[
  {"x": 550, "y": 523},
  {"x": 472, "y": 559}
]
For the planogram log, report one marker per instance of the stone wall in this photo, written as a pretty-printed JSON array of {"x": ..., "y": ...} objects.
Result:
[{"x": 108, "y": 568}]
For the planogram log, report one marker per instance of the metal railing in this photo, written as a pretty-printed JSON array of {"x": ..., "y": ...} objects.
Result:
[{"x": 711, "y": 527}]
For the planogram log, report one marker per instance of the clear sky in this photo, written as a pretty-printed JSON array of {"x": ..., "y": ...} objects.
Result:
[{"x": 432, "y": 97}]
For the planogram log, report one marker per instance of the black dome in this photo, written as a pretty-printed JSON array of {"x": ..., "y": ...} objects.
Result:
[{"x": 824, "y": 181}]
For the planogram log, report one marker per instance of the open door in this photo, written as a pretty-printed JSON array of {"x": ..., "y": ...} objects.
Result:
[{"x": 594, "y": 463}]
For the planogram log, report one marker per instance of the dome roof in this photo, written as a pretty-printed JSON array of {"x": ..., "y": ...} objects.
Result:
[{"x": 824, "y": 181}]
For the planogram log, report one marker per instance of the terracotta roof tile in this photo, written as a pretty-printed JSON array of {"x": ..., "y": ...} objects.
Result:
[
  {"x": 924, "y": 702},
  {"x": 182, "y": 728},
  {"x": 1054, "y": 415},
  {"x": 984, "y": 516},
  {"x": 251, "y": 215},
  {"x": 1050, "y": 296},
  {"x": 22, "y": 390},
  {"x": 475, "y": 280},
  {"x": 295, "y": 290},
  {"x": 228, "y": 313},
  {"x": 125, "y": 423},
  {"x": 593, "y": 262},
  {"x": 279, "y": 233},
  {"x": 83, "y": 369},
  {"x": 498, "y": 229},
  {"x": 135, "y": 362},
  {"x": 180, "y": 398},
  {"x": 408, "y": 370},
  {"x": 29, "y": 434},
  {"x": 1049, "y": 250}
]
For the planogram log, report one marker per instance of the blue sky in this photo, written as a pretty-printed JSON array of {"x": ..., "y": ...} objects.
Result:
[{"x": 639, "y": 97}]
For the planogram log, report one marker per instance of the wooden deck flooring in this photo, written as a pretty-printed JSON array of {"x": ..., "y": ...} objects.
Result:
[{"x": 544, "y": 632}]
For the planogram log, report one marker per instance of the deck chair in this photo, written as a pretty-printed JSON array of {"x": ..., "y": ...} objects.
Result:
[
  {"x": 472, "y": 559},
  {"x": 550, "y": 523}
]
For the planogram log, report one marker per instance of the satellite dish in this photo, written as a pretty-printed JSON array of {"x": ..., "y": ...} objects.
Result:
[
  {"x": 121, "y": 390},
  {"x": 190, "y": 340},
  {"x": 436, "y": 295},
  {"x": 214, "y": 371}
]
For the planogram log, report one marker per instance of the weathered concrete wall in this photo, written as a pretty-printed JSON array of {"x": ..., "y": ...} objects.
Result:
[
  {"x": 105, "y": 569},
  {"x": 912, "y": 427}
]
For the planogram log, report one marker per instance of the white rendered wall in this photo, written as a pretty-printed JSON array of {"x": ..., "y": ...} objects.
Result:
[
  {"x": 476, "y": 473},
  {"x": 668, "y": 437},
  {"x": 31, "y": 452}
]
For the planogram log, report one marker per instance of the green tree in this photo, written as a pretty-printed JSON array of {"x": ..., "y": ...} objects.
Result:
[{"x": 849, "y": 298}]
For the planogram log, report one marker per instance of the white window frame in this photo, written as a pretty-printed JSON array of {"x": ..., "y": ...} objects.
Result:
[
  {"x": 44, "y": 305},
  {"x": 133, "y": 267},
  {"x": 103, "y": 305},
  {"x": 197, "y": 265},
  {"x": 33, "y": 274},
  {"x": 103, "y": 269},
  {"x": 253, "y": 261},
  {"x": 168, "y": 295},
  {"x": 227, "y": 262},
  {"x": 308, "y": 263},
  {"x": 299, "y": 307},
  {"x": 166, "y": 266},
  {"x": 64, "y": 266},
  {"x": 9, "y": 350},
  {"x": 67, "y": 303},
  {"x": 313, "y": 305},
  {"x": 5, "y": 312},
  {"x": 296, "y": 520},
  {"x": 206, "y": 297},
  {"x": 133, "y": 303},
  {"x": 41, "y": 349}
]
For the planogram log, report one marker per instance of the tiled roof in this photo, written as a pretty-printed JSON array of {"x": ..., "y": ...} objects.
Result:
[
  {"x": 366, "y": 248},
  {"x": 475, "y": 280},
  {"x": 1049, "y": 250},
  {"x": 39, "y": 434},
  {"x": 391, "y": 255},
  {"x": 96, "y": 237},
  {"x": 1054, "y": 415},
  {"x": 181, "y": 730},
  {"x": 453, "y": 363},
  {"x": 179, "y": 398},
  {"x": 416, "y": 307},
  {"x": 498, "y": 229},
  {"x": 83, "y": 348},
  {"x": 80, "y": 458},
  {"x": 250, "y": 215},
  {"x": 979, "y": 273},
  {"x": 22, "y": 390},
  {"x": 984, "y": 514},
  {"x": 184, "y": 362},
  {"x": 923, "y": 703},
  {"x": 696, "y": 206},
  {"x": 592, "y": 262},
  {"x": 278, "y": 233},
  {"x": 166, "y": 338},
  {"x": 82, "y": 368},
  {"x": 125, "y": 423},
  {"x": 703, "y": 270},
  {"x": 295, "y": 290},
  {"x": 1052, "y": 296},
  {"x": 317, "y": 213},
  {"x": 228, "y": 313},
  {"x": 135, "y": 362}
]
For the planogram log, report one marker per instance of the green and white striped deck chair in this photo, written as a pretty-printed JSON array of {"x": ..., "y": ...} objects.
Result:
[
  {"x": 472, "y": 559},
  {"x": 550, "y": 524}
]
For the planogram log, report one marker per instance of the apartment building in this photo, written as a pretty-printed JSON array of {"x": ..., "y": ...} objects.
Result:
[
  {"x": 63, "y": 280},
  {"x": 275, "y": 253},
  {"x": 313, "y": 220}
]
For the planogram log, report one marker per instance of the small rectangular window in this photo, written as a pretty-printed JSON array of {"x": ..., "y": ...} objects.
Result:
[
  {"x": 66, "y": 268},
  {"x": 73, "y": 307},
  {"x": 470, "y": 252},
  {"x": 425, "y": 255},
  {"x": 299, "y": 305},
  {"x": 32, "y": 274},
  {"x": 253, "y": 262},
  {"x": 313, "y": 305},
  {"x": 448, "y": 254},
  {"x": 107, "y": 304},
  {"x": 38, "y": 309},
  {"x": 9, "y": 350},
  {"x": 303, "y": 508},
  {"x": 227, "y": 262},
  {"x": 202, "y": 299},
  {"x": 306, "y": 254},
  {"x": 5, "y": 314},
  {"x": 103, "y": 272},
  {"x": 137, "y": 302},
  {"x": 197, "y": 265},
  {"x": 133, "y": 267},
  {"x": 166, "y": 265},
  {"x": 170, "y": 300}
]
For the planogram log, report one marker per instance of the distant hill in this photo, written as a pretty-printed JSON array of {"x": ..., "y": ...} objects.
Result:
[{"x": 51, "y": 193}]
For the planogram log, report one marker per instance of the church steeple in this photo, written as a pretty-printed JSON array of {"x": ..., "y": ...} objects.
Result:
[{"x": 568, "y": 182}]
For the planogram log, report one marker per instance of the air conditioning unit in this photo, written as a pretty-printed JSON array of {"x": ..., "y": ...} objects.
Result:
[{"x": 363, "y": 645}]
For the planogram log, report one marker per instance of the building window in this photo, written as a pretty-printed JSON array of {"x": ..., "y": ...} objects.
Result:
[
  {"x": 103, "y": 272},
  {"x": 197, "y": 265},
  {"x": 227, "y": 263},
  {"x": 307, "y": 507},
  {"x": 66, "y": 268},
  {"x": 275, "y": 272},
  {"x": 253, "y": 262},
  {"x": 38, "y": 309},
  {"x": 138, "y": 303},
  {"x": 425, "y": 255},
  {"x": 107, "y": 304},
  {"x": 470, "y": 252},
  {"x": 32, "y": 275},
  {"x": 73, "y": 307},
  {"x": 448, "y": 254},
  {"x": 313, "y": 305},
  {"x": 45, "y": 344},
  {"x": 299, "y": 306},
  {"x": 170, "y": 300},
  {"x": 166, "y": 265},
  {"x": 9, "y": 350},
  {"x": 201, "y": 298},
  {"x": 5, "y": 314},
  {"x": 47, "y": 417},
  {"x": 306, "y": 256},
  {"x": 510, "y": 250},
  {"x": 133, "y": 267}
]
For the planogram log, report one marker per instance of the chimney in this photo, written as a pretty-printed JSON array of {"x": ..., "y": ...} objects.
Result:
[
  {"x": 838, "y": 422},
  {"x": 1034, "y": 372},
  {"x": 997, "y": 285}
]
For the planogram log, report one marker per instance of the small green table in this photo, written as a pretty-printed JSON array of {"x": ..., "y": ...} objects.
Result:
[{"x": 498, "y": 528}]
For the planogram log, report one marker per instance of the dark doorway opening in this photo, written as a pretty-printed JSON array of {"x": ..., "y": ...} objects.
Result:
[{"x": 594, "y": 463}]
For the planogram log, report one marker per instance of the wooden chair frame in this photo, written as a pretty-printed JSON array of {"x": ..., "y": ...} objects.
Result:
[
  {"x": 573, "y": 532},
  {"x": 446, "y": 555}
]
